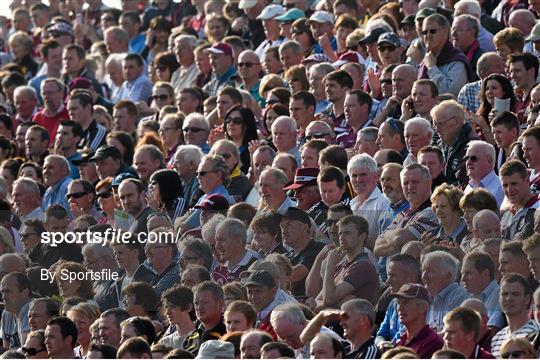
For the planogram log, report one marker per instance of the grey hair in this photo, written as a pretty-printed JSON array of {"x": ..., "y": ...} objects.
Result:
[
  {"x": 25, "y": 89},
  {"x": 292, "y": 45},
  {"x": 119, "y": 34},
  {"x": 423, "y": 170},
  {"x": 424, "y": 123},
  {"x": 98, "y": 249},
  {"x": 208, "y": 230},
  {"x": 486, "y": 147},
  {"x": 484, "y": 60},
  {"x": 189, "y": 39},
  {"x": 115, "y": 59},
  {"x": 471, "y": 7},
  {"x": 472, "y": 21},
  {"x": 289, "y": 121},
  {"x": 29, "y": 185},
  {"x": 378, "y": 23},
  {"x": 288, "y": 311},
  {"x": 59, "y": 84},
  {"x": 322, "y": 68},
  {"x": 484, "y": 213},
  {"x": 229, "y": 144},
  {"x": 449, "y": 107},
  {"x": 60, "y": 159},
  {"x": 153, "y": 151},
  {"x": 189, "y": 153},
  {"x": 280, "y": 179},
  {"x": 198, "y": 118},
  {"x": 369, "y": 133},
  {"x": 362, "y": 161},
  {"x": 476, "y": 305},
  {"x": 233, "y": 228},
  {"x": 448, "y": 262},
  {"x": 220, "y": 165},
  {"x": 361, "y": 306}
]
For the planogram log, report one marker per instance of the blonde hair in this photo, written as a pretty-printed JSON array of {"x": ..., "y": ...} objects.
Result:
[
  {"x": 452, "y": 193},
  {"x": 7, "y": 240}
]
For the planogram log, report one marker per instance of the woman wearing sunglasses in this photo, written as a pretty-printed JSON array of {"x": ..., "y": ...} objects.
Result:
[
  {"x": 241, "y": 128},
  {"x": 106, "y": 200},
  {"x": 517, "y": 348},
  {"x": 34, "y": 347}
]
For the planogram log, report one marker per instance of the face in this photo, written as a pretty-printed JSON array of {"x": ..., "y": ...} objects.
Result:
[
  {"x": 363, "y": 181},
  {"x": 292, "y": 231},
  {"x": 354, "y": 111},
  {"x": 132, "y": 201},
  {"x": 531, "y": 151},
  {"x": 432, "y": 162},
  {"x": 321, "y": 348},
  {"x": 310, "y": 157},
  {"x": 234, "y": 124},
  {"x": 207, "y": 307},
  {"x": 52, "y": 96},
  {"x": 261, "y": 160},
  {"x": 349, "y": 238},
  {"x": 316, "y": 84},
  {"x": 389, "y": 54},
  {"x": 331, "y": 193},
  {"x": 391, "y": 184},
  {"x": 423, "y": 99},
  {"x": 144, "y": 165},
  {"x": 513, "y": 299},
  {"x": 76, "y": 111},
  {"x": 23, "y": 201},
  {"x": 398, "y": 275},
  {"x": 504, "y": 137},
  {"x": 57, "y": 225},
  {"x": 208, "y": 177},
  {"x": 25, "y": 104},
  {"x": 54, "y": 342},
  {"x": 71, "y": 62},
  {"x": 334, "y": 92},
  {"x": 34, "y": 144},
  {"x": 435, "y": 37},
  {"x": 289, "y": 333},
  {"x": 38, "y": 317},
  {"x": 299, "y": 112},
  {"x": 282, "y": 136},
  {"x": 249, "y": 66},
  {"x": 472, "y": 279},
  {"x": 235, "y": 321},
  {"x": 194, "y": 132},
  {"x": 515, "y": 188},
  {"x": 83, "y": 325},
  {"x": 462, "y": 34},
  {"x": 409, "y": 310},
  {"x": 332, "y": 219},
  {"x": 455, "y": 337},
  {"x": 107, "y": 167},
  {"x": 109, "y": 331},
  {"x": 478, "y": 163},
  {"x": 271, "y": 63},
  {"x": 131, "y": 70},
  {"x": 52, "y": 172},
  {"x": 250, "y": 346},
  {"x": 307, "y": 196},
  {"x": 33, "y": 344},
  {"x": 493, "y": 90},
  {"x": 78, "y": 198},
  {"x": 521, "y": 76},
  {"x": 385, "y": 139},
  {"x": 260, "y": 296},
  {"x": 434, "y": 277},
  {"x": 124, "y": 256},
  {"x": 533, "y": 256},
  {"x": 416, "y": 137},
  {"x": 263, "y": 240}
]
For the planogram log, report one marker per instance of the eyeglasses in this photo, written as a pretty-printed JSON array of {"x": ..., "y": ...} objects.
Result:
[
  {"x": 104, "y": 195},
  {"x": 316, "y": 135},
  {"x": 473, "y": 158},
  {"x": 76, "y": 195},
  {"x": 203, "y": 173},
  {"x": 429, "y": 31},
  {"x": 159, "y": 97},
  {"x": 441, "y": 123},
  {"x": 31, "y": 351},
  {"x": 382, "y": 48},
  {"x": 236, "y": 121},
  {"x": 512, "y": 354},
  {"x": 89, "y": 263},
  {"x": 192, "y": 129},
  {"x": 247, "y": 64},
  {"x": 386, "y": 81}
]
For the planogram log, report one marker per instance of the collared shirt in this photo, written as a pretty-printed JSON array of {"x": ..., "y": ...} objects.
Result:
[
  {"x": 449, "y": 77},
  {"x": 485, "y": 38},
  {"x": 391, "y": 328},
  {"x": 456, "y": 235},
  {"x": 468, "y": 96},
  {"x": 167, "y": 279},
  {"x": 227, "y": 273},
  {"x": 367, "y": 350},
  {"x": 136, "y": 45},
  {"x": 218, "y": 82},
  {"x": 513, "y": 221},
  {"x": 190, "y": 191},
  {"x": 137, "y": 90},
  {"x": 74, "y": 169},
  {"x": 490, "y": 297},
  {"x": 448, "y": 298},
  {"x": 285, "y": 205},
  {"x": 183, "y": 78},
  {"x": 491, "y": 183},
  {"x": 194, "y": 219},
  {"x": 57, "y": 195},
  {"x": 13, "y": 326},
  {"x": 425, "y": 343},
  {"x": 268, "y": 44},
  {"x": 371, "y": 210},
  {"x": 20, "y": 120},
  {"x": 297, "y": 155},
  {"x": 504, "y": 334},
  {"x": 94, "y": 136},
  {"x": 254, "y": 91}
]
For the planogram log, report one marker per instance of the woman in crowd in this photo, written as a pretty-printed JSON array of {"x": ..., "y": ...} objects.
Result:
[
  {"x": 106, "y": 200},
  {"x": 241, "y": 128},
  {"x": 124, "y": 143},
  {"x": 83, "y": 288},
  {"x": 83, "y": 315},
  {"x": 165, "y": 193},
  {"x": 165, "y": 63},
  {"x": 266, "y": 234}
]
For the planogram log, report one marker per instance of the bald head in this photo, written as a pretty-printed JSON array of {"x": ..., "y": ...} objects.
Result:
[
  {"x": 486, "y": 225},
  {"x": 523, "y": 20},
  {"x": 10, "y": 263},
  {"x": 490, "y": 63},
  {"x": 476, "y": 305},
  {"x": 471, "y": 7},
  {"x": 403, "y": 78}
]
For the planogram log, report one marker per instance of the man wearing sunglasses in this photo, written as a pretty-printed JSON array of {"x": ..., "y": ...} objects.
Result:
[
  {"x": 239, "y": 186},
  {"x": 249, "y": 69},
  {"x": 443, "y": 63},
  {"x": 480, "y": 163},
  {"x": 196, "y": 130}
]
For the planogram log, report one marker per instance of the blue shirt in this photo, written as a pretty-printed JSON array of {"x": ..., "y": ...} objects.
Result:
[
  {"x": 74, "y": 169},
  {"x": 56, "y": 195},
  {"x": 194, "y": 219},
  {"x": 138, "y": 90},
  {"x": 136, "y": 45},
  {"x": 490, "y": 297},
  {"x": 391, "y": 327},
  {"x": 35, "y": 82},
  {"x": 333, "y": 43}
]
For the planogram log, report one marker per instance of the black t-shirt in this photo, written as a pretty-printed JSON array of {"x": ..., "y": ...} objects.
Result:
[
  {"x": 140, "y": 224},
  {"x": 305, "y": 257}
]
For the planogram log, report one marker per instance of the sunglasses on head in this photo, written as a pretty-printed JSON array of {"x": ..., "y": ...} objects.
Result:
[
  {"x": 31, "y": 351},
  {"x": 192, "y": 129},
  {"x": 76, "y": 195},
  {"x": 473, "y": 158},
  {"x": 159, "y": 97},
  {"x": 236, "y": 121}
]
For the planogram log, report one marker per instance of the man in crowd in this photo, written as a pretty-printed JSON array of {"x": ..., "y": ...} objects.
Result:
[{"x": 16, "y": 290}]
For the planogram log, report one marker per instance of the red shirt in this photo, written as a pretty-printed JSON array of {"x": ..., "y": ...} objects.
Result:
[
  {"x": 425, "y": 343},
  {"x": 51, "y": 123}
]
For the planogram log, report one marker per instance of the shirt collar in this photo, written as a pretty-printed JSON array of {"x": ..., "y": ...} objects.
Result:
[{"x": 492, "y": 286}]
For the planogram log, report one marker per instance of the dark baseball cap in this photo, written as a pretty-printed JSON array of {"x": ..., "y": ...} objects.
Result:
[
  {"x": 121, "y": 177},
  {"x": 214, "y": 202},
  {"x": 424, "y": 13},
  {"x": 412, "y": 291},
  {"x": 260, "y": 278},
  {"x": 373, "y": 36},
  {"x": 297, "y": 214},
  {"x": 86, "y": 157},
  {"x": 106, "y": 151},
  {"x": 304, "y": 177}
]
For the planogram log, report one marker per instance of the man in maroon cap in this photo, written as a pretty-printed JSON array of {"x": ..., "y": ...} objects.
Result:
[
  {"x": 413, "y": 303},
  {"x": 305, "y": 188},
  {"x": 213, "y": 205},
  {"x": 221, "y": 59}
]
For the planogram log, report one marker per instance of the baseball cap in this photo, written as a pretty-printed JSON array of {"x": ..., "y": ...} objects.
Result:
[
  {"x": 304, "y": 177},
  {"x": 322, "y": 17},
  {"x": 121, "y": 177},
  {"x": 247, "y": 4},
  {"x": 80, "y": 83},
  {"x": 216, "y": 349},
  {"x": 424, "y": 13},
  {"x": 296, "y": 214},
  {"x": 86, "y": 157},
  {"x": 389, "y": 38},
  {"x": 106, "y": 151},
  {"x": 412, "y": 291},
  {"x": 316, "y": 58},
  {"x": 220, "y": 48},
  {"x": 407, "y": 20},
  {"x": 260, "y": 278},
  {"x": 535, "y": 33},
  {"x": 214, "y": 202},
  {"x": 291, "y": 15},
  {"x": 271, "y": 11},
  {"x": 59, "y": 28},
  {"x": 262, "y": 264},
  {"x": 373, "y": 35},
  {"x": 349, "y": 57}
]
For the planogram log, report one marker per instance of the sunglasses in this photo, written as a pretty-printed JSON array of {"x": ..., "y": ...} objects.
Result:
[
  {"x": 203, "y": 173},
  {"x": 192, "y": 129},
  {"x": 159, "y": 97},
  {"x": 226, "y": 156},
  {"x": 246, "y": 64},
  {"x": 76, "y": 195},
  {"x": 31, "y": 351},
  {"x": 104, "y": 195},
  {"x": 317, "y": 135},
  {"x": 385, "y": 48},
  {"x": 473, "y": 158},
  {"x": 512, "y": 354},
  {"x": 386, "y": 81},
  {"x": 236, "y": 121},
  {"x": 429, "y": 31}
]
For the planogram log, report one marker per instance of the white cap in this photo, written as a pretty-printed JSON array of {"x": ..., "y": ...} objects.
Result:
[
  {"x": 322, "y": 17},
  {"x": 247, "y": 4},
  {"x": 271, "y": 11}
]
